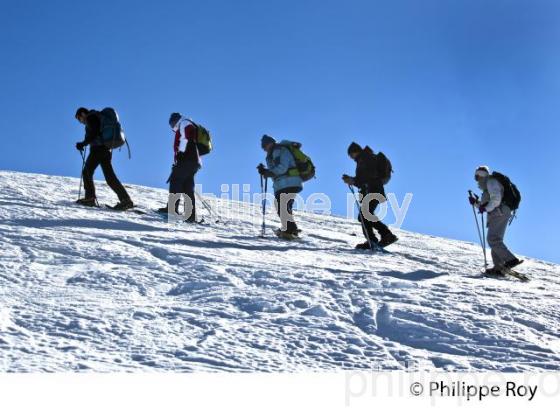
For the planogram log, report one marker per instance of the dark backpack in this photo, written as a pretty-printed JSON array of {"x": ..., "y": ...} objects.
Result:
[
  {"x": 384, "y": 166},
  {"x": 512, "y": 196},
  {"x": 112, "y": 135}
]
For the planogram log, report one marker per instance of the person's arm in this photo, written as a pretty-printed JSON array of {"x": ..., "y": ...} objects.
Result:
[
  {"x": 495, "y": 192},
  {"x": 176, "y": 145},
  {"x": 360, "y": 180},
  {"x": 282, "y": 158},
  {"x": 93, "y": 129}
]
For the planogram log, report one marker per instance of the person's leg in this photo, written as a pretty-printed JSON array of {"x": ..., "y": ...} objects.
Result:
[
  {"x": 367, "y": 229},
  {"x": 277, "y": 206},
  {"x": 291, "y": 226},
  {"x": 285, "y": 200},
  {"x": 188, "y": 190},
  {"x": 92, "y": 162},
  {"x": 181, "y": 182},
  {"x": 497, "y": 225},
  {"x": 111, "y": 177},
  {"x": 376, "y": 224},
  {"x": 175, "y": 187},
  {"x": 387, "y": 237}
]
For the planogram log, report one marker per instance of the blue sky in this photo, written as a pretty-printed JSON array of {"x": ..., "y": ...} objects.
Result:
[{"x": 439, "y": 86}]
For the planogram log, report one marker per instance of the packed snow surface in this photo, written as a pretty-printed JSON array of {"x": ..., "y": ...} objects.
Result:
[{"x": 97, "y": 290}]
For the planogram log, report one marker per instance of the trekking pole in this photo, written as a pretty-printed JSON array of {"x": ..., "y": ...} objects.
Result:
[
  {"x": 208, "y": 207},
  {"x": 373, "y": 246},
  {"x": 481, "y": 236},
  {"x": 264, "y": 189},
  {"x": 484, "y": 240},
  {"x": 83, "y": 154}
]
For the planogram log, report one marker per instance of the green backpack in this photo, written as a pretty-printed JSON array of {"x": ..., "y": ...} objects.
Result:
[
  {"x": 304, "y": 168},
  {"x": 203, "y": 138}
]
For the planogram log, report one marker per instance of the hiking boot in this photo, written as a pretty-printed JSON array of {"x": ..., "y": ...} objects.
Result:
[
  {"x": 513, "y": 263},
  {"x": 363, "y": 246},
  {"x": 123, "y": 206},
  {"x": 294, "y": 232},
  {"x": 387, "y": 240},
  {"x": 87, "y": 202},
  {"x": 494, "y": 271},
  {"x": 366, "y": 245},
  {"x": 285, "y": 235}
]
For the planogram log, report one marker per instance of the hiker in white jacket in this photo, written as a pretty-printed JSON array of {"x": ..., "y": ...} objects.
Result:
[{"x": 499, "y": 215}]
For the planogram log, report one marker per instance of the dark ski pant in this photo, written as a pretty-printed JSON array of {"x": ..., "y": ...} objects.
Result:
[
  {"x": 101, "y": 155},
  {"x": 181, "y": 181},
  {"x": 284, "y": 201},
  {"x": 498, "y": 221},
  {"x": 368, "y": 227}
]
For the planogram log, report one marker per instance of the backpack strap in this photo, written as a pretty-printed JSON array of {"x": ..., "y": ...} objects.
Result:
[
  {"x": 287, "y": 147},
  {"x": 128, "y": 147},
  {"x": 193, "y": 123},
  {"x": 196, "y": 142}
]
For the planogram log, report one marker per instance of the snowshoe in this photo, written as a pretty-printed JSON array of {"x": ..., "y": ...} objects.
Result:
[
  {"x": 494, "y": 272},
  {"x": 366, "y": 246},
  {"x": 503, "y": 272},
  {"x": 122, "y": 206},
  {"x": 126, "y": 208},
  {"x": 521, "y": 276},
  {"x": 363, "y": 246}
]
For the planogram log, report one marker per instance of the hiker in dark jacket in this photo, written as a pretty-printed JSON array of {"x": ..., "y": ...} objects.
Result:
[
  {"x": 185, "y": 165},
  {"x": 368, "y": 181},
  {"x": 99, "y": 154}
]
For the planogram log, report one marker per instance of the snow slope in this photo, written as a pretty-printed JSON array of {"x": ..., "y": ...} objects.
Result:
[{"x": 96, "y": 290}]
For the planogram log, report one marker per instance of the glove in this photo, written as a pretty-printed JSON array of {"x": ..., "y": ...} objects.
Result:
[
  {"x": 348, "y": 179},
  {"x": 80, "y": 146},
  {"x": 472, "y": 200},
  {"x": 265, "y": 172},
  {"x": 481, "y": 209}
]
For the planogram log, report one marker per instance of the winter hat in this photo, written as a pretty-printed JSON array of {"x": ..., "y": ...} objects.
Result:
[
  {"x": 354, "y": 147},
  {"x": 482, "y": 172},
  {"x": 174, "y": 119},
  {"x": 266, "y": 139},
  {"x": 81, "y": 111}
]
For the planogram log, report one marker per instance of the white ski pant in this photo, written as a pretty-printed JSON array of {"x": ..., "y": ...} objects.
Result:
[{"x": 497, "y": 224}]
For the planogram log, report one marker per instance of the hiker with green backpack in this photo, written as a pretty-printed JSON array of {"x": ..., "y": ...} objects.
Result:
[
  {"x": 288, "y": 167},
  {"x": 103, "y": 134},
  {"x": 373, "y": 171},
  {"x": 500, "y": 199},
  {"x": 191, "y": 142}
]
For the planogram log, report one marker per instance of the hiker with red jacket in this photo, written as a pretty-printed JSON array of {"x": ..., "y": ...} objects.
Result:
[
  {"x": 369, "y": 180},
  {"x": 185, "y": 165}
]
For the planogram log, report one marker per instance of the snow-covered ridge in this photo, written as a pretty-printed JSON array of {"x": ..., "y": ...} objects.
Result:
[{"x": 95, "y": 290}]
